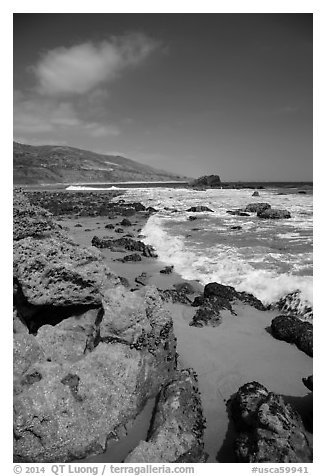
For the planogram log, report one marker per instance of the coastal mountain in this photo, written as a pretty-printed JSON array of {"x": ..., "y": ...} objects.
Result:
[{"x": 62, "y": 164}]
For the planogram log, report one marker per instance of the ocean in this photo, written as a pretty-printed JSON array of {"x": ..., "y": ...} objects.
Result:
[{"x": 268, "y": 258}]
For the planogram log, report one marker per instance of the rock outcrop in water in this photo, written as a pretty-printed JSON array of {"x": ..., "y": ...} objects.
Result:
[
  {"x": 257, "y": 207},
  {"x": 176, "y": 432},
  {"x": 217, "y": 297},
  {"x": 295, "y": 331},
  {"x": 206, "y": 181},
  {"x": 274, "y": 213},
  {"x": 292, "y": 304},
  {"x": 124, "y": 243},
  {"x": 88, "y": 353},
  {"x": 270, "y": 431},
  {"x": 199, "y": 208}
]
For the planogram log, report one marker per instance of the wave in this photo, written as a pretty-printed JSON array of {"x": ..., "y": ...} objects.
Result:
[
  {"x": 224, "y": 265},
  {"x": 81, "y": 187}
]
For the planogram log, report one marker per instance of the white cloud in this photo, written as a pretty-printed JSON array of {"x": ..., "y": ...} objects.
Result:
[{"x": 82, "y": 68}]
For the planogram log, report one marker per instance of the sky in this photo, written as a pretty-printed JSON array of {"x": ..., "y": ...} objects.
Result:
[{"x": 194, "y": 94}]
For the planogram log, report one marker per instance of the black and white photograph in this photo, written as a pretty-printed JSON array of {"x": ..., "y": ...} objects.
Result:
[{"x": 162, "y": 239}]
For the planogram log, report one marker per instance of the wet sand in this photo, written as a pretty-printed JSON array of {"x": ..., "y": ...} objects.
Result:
[{"x": 238, "y": 351}]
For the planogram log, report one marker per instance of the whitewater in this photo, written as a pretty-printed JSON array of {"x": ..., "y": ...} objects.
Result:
[{"x": 268, "y": 258}]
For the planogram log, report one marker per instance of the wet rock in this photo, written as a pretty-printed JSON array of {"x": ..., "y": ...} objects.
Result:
[
  {"x": 274, "y": 213},
  {"x": 119, "y": 230},
  {"x": 174, "y": 296},
  {"x": 192, "y": 218},
  {"x": 142, "y": 279},
  {"x": 124, "y": 281},
  {"x": 176, "y": 433},
  {"x": 302, "y": 192},
  {"x": 78, "y": 225},
  {"x": 255, "y": 194},
  {"x": 124, "y": 243},
  {"x": 308, "y": 382},
  {"x": 257, "y": 207},
  {"x": 167, "y": 270},
  {"x": 109, "y": 226},
  {"x": 199, "y": 208},
  {"x": 291, "y": 329},
  {"x": 126, "y": 222},
  {"x": 271, "y": 431},
  {"x": 294, "y": 305},
  {"x": 151, "y": 210},
  {"x": 217, "y": 297},
  {"x": 237, "y": 227}
]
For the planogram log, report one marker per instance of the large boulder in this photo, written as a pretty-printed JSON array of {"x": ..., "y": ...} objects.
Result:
[
  {"x": 271, "y": 431},
  {"x": 257, "y": 207},
  {"x": 176, "y": 433},
  {"x": 124, "y": 243},
  {"x": 295, "y": 331},
  {"x": 293, "y": 304},
  {"x": 274, "y": 213}
]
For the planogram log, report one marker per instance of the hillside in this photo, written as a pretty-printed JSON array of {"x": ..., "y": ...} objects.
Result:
[{"x": 61, "y": 164}]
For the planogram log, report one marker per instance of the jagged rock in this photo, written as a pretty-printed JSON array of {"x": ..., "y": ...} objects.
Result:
[
  {"x": 167, "y": 270},
  {"x": 119, "y": 230},
  {"x": 293, "y": 304},
  {"x": 109, "y": 226},
  {"x": 270, "y": 430},
  {"x": 199, "y": 208},
  {"x": 291, "y": 329},
  {"x": 126, "y": 243},
  {"x": 257, "y": 207},
  {"x": 192, "y": 218},
  {"x": 26, "y": 352},
  {"x": 151, "y": 210},
  {"x": 255, "y": 194},
  {"x": 308, "y": 382},
  {"x": 174, "y": 296},
  {"x": 19, "y": 327},
  {"x": 176, "y": 433},
  {"x": 59, "y": 273},
  {"x": 124, "y": 281},
  {"x": 217, "y": 297},
  {"x": 274, "y": 213},
  {"x": 30, "y": 220},
  {"x": 126, "y": 222}
]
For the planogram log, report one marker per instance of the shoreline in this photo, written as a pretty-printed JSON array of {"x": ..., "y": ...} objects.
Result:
[{"x": 239, "y": 350}]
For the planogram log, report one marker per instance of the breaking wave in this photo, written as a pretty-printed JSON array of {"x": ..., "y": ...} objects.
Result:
[{"x": 223, "y": 264}]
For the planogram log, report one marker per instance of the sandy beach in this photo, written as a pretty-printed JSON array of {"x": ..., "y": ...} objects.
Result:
[{"x": 241, "y": 349}]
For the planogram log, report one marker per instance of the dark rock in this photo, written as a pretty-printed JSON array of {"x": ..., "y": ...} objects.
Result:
[
  {"x": 174, "y": 296},
  {"x": 302, "y": 192},
  {"x": 199, "y": 208},
  {"x": 308, "y": 382},
  {"x": 291, "y": 329},
  {"x": 274, "y": 213},
  {"x": 109, "y": 226},
  {"x": 167, "y": 270},
  {"x": 124, "y": 243},
  {"x": 132, "y": 257},
  {"x": 126, "y": 222},
  {"x": 271, "y": 431},
  {"x": 78, "y": 225},
  {"x": 217, "y": 297},
  {"x": 192, "y": 218},
  {"x": 207, "y": 181},
  {"x": 177, "y": 429},
  {"x": 255, "y": 194},
  {"x": 119, "y": 230},
  {"x": 237, "y": 227},
  {"x": 124, "y": 281},
  {"x": 238, "y": 212},
  {"x": 151, "y": 210},
  {"x": 257, "y": 207}
]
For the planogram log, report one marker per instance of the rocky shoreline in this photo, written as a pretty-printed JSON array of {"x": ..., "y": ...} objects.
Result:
[{"x": 95, "y": 336}]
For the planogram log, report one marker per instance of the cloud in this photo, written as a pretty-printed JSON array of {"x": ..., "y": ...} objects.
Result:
[
  {"x": 81, "y": 68},
  {"x": 37, "y": 115}
]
